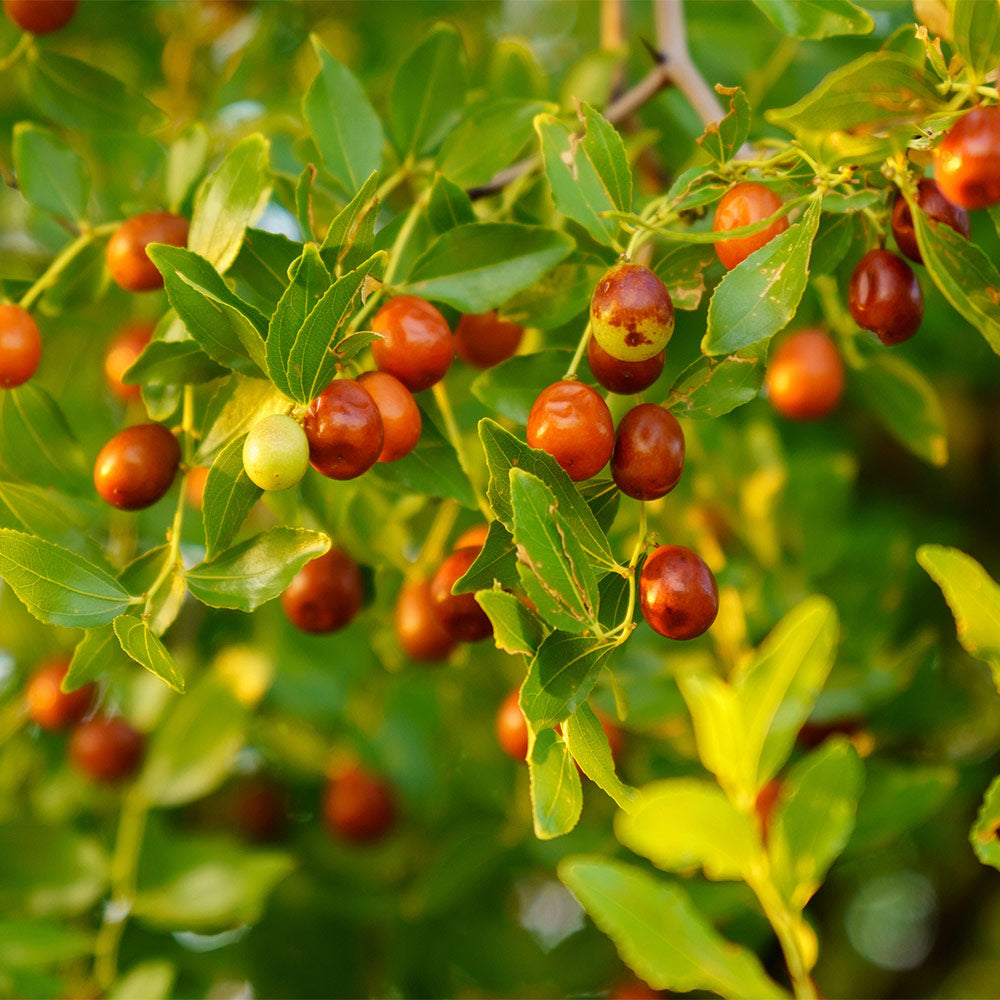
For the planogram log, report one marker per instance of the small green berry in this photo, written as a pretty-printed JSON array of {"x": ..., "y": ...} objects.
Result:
[{"x": 276, "y": 453}]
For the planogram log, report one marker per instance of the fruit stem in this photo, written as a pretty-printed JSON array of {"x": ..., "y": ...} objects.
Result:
[
  {"x": 578, "y": 356},
  {"x": 393, "y": 181},
  {"x": 455, "y": 437},
  {"x": 62, "y": 261},
  {"x": 624, "y": 628},
  {"x": 15, "y": 54}
]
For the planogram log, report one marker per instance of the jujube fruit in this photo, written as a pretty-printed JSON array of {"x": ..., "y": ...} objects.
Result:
[
  {"x": 623, "y": 377},
  {"x": 401, "y": 421},
  {"x": 344, "y": 429},
  {"x": 885, "y": 297},
  {"x": 276, "y": 453},
  {"x": 740, "y": 206},
  {"x": 51, "y": 707},
  {"x": 40, "y": 17},
  {"x": 937, "y": 207},
  {"x": 126, "y": 255},
  {"x": 325, "y": 594},
  {"x": 648, "y": 456},
  {"x": 511, "y": 727},
  {"x": 416, "y": 346},
  {"x": 484, "y": 340},
  {"x": 678, "y": 595},
  {"x": 194, "y": 486},
  {"x": 20, "y": 346},
  {"x": 635, "y": 989},
  {"x": 460, "y": 614},
  {"x": 418, "y": 628},
  {"x": 137, "y": 466},
  {"x": 571, "y": 422},
  {"x": 476, "y": 535},
  {"x": 631, "y": 313},
  {"x": 106, "y": 748},
  {"x": 805, "y": 378},
  {"x": 967, "y": 160},
  {"x": 122, "y": 352},
  {"x": 358, "y": 806},
  {"x": 260, "y": 808}
]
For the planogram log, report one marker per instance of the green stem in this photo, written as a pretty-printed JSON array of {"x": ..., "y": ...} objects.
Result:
[
  {"x": 15, "y": 54},
  {"x": 837, "y": 316},
  {"x": 394, "y": 180},
  {"x": 454, "y": 435},
  {"x": 624, "y": 629},
  {"x": 437, "y": 536},
  {"x": 63, "y": 259},
  {"x": 578, "y": 355},
  {"x": 13, "y": 716},
  {"x": 403, "y": 237}
]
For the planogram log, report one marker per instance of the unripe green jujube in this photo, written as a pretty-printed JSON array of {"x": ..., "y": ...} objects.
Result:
[{"x": 276, "y": 453}]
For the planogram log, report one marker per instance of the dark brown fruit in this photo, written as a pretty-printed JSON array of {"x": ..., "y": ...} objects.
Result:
[
  {"x": 137, "y": 466},
  {"x": 805, "y": 378},
  {"x": 572, "y": 423},
  {"x": 325, "y": 594},
  {"x": 416, "y": 346},
  {"x": 484, "y": 340},
  {"x": 358, "y": 806},
  {"x": 885, "y": 297},
  {"x": 631, "y": 313},
  {"x": 937, "y": 206},
  {"x": 623, "y": 377},
  {"x": 648, "y": 457},
  {"x": 126, "y": 251},
  {"x": 344, "y": 428},
  {"x": 20, "y": 346},
  {"x": 51, "y": 707},
  {"x": 511, "y": 727},
  {"x": 40, "y": 17},
  {"x": 418, "y": 627},
  {"x": 400, "y": 414},
  {"x": 460, "y": 614},
  {"x": 106, "y": 749},
  {"x": 741, "y": 206},
  {"x": 121, "y": 354},
  {"x": 967, "y": 160},
  {"x": 677, "y": 593}
]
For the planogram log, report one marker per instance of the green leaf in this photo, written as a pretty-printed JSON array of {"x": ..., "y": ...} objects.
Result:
[
  {"x": 511, "y": 387},
  {"x": 723, "y": 138},
  {"x": 93, "y": 657},
  {"x": 513, "y": 69},
  {"x": 263, "y": 263},
  {"x": 660, "y": 934},
  {"x": 589, "y": 746},
  {"x": 686, "y": 823},
  {"x": 496, "y": 563},
  {"x": 816, "y": 18},
  {"x": 428, "y": 92},
  {"x": 604, "y": 148},
  {"x": 719, "y": 728},
  {"x": 229, "y": 497},
  {"x": 682, "y": 270},
  {"x": 556, "y": 795},
  {"x": 552, "y": 564},
  {"x": 27, "y": 944},
  {"x": 229, "y": 200},
  {"x": 350, "y": 240},
  {"x": 758, "y": 297},
  {"x": 603, "y": 498},
  {"x": 479, "y": 266},
  {"x": 49, "y": 173},
  {"x": 139, "y": 642},
  {"x": 907, "y": 404},
  {"x": 449, "y": 206},
  {"x": 974, "y": 599},
  {"x": 965, "y": 275},
  {"x": 347, "y": 131},
  {"x": 303, "y": 201},
  {"x": 712, "y": 387},
  {"x": 985, "y": 833},
  {"x": 143, "y": 573},
  {"x": 48, "y": 514},
  {"x": 516, "y": 628},
  {"x": 192, "y": 751},
  {"x": 186, "y": 163},
  {"x": 975, "y": 34},
  {"x": 151, "y": 980},
  {"x": 488, "y": 139},
  {"x": 58, "y": 586},
  {"x": 238, "y": 404},
  {"x": 560, "y": 295},
  {"x": 257, "y": 570},
  {"x": 172, "y": 362}
]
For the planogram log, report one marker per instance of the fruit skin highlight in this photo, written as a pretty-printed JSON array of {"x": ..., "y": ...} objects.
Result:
[
  {"x": 416, "y": 346},
  {"x": 137, "y": 466},
  {"x": 344, "y": 429},
  {"x": 967, "y": 160},
  {"x": 571, "y": 422},
  {"x": 936, "y": 205},
  {"x": 678, "y": 595},
  {"x": 631, "y": 313},
  {"x": 884, "y": 296},
  {"x": 648, "y": 456}
]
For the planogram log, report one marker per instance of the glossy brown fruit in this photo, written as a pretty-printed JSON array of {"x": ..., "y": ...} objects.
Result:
[
  {"x": 325, "y": 594},
  {"x": 400, "y": 414},
  {"x": 48, "y": 705},
  {"x": 126, "y": 250},
  {"x": 631, "y": 313},
  {"x": 677, "y": 593},
  {"x": 484, "y": 340},
  {"x": 137, "y": 466},
  {"x": 121, "y": 354},
  {"x": 460, "y": 615},
  {"x": 937, "y": 206},
  {"x": 967, "y": 160},
  {"x": 194, "y": 486},
  {"x": 476, "y": 535},
  {"x": 418, "y": 627},
  {"x": 885, "y": 297},
  {"x": 623, "y": 377},
  {"x": 106, "y": 749},
  {"x": 648, "y": 457},
  {"x": 40, "y": 17},
  {"x": 572, "y": 423},
  {"x": 20, "y": 346},
  {"x": 740, "y": 206},
  {"x": 344, "y": 429},
  {"x": 358, "y": 806},
  {"x": 805, "y": 377},
  {"x": 511, "y": 727},
  {"x": 416, "y": 346}
]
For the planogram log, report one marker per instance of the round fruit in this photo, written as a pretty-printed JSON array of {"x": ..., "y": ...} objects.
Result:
[
  {"x": 126, "y": 251},
  {"x": 358, "y": 806},
  {"x": 51, "y": 707},
  {"x": 741, "y": 206},
  {"x": 476, "y": 535},
  {"x": 573, "y": 424},
  {"x": 418, "y": 627},
  {"x": 106, "y": 749},
  {"x": 677, "y": 593},
  {"x": 484, "y": 340},
  {"x": 967, "y": 160},
  {"x": 325, "y": 594},
  {"x": 631, "y": 314},
  {"x": 20, "y": 346},
  {"x": 401, "y": 423},
  {"x": 40, "y": 17},
  {"x": 260, "y": 809},
  {"x": 416, "y": 345},
  {"x": 805, "y": 378},
  {"x": 648, "y": 457},
  {"x": 885, "y": 296},
  {"x": 136, "y": 467},
  {"x": 623, "y": 377},
  {"x": 460, "y": 614},
  {"x": 937, "y": 206},
  {"x": 276, "y": 453},
  {"x": 511, "y": 727},
  {"x": 344, "y": 430},
  {"x": 121, "y": 354}
]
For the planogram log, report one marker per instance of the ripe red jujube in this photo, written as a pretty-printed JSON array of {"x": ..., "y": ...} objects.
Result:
[
  {"x": 805, "y": 378},
  {"x": 48, "y": 705},
  {"x": 648, "y": 456},
  {"x": 126, "y": 255},
  {"x": 623, "y": 377},
  {"x": 677, "y": 593},
  {"x": 137, "y": 466},
  {"x": 325, "y": 594},
  {"x": 572, "y": 423},
  {"x": 460, "y": 614},
  {"x": 885, "y": 297},
  {"x": 740, "y": 206},
  {"x": 20, "y": 346},
  {"x": 106, "y": 749},
  {"x": 344, "y": 429},
  {"x": 416, "y": 346}
]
